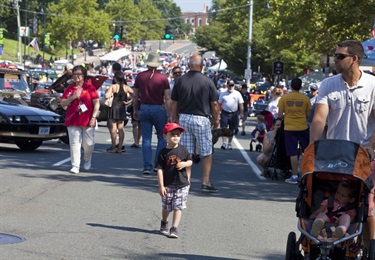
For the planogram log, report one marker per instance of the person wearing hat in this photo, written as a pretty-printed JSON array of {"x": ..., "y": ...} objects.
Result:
[
  {"x": 173, "y": 178},
  {"x": 230, "y": 102},
  {"x": 152, "y": 91},
  {"x": 313, "y": 95}
]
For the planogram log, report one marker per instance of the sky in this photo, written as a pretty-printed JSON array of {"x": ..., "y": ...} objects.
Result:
[{"x": 192, "y": 5}]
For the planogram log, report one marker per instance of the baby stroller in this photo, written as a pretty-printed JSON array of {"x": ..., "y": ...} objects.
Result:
[
  {"x": 268, "y": 120},
  {"x": 324, "y": 165},
  {"x": 279, "y": 165}
]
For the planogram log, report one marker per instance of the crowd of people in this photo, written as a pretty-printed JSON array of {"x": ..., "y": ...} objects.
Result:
[{"x": 185, "y": 106}]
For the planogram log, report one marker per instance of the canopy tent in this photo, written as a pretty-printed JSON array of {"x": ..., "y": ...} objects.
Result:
[
  {"x": 369, "y": 59},
  {"x": 220, "y": 66},
  {"x": 115, "y": 55}
]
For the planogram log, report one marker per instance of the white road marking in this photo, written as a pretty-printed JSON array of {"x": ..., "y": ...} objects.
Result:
[
  {"x": 61, "y": 162},
  {"x": 252, "y": 165}
]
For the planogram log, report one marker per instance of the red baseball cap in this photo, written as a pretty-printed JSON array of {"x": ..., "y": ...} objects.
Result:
[{"x": 172, "y": 126}]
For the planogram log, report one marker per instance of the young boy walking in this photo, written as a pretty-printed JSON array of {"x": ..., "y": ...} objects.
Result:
[{"x": 173, "y": 180}]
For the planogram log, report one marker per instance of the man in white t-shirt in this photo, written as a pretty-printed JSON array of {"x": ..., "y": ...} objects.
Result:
[{"x": 230, "y": 101}]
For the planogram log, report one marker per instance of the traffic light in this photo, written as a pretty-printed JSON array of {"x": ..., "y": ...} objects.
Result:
[
  {"x": 116, "y": 34},
  {"x": 35, "y": 25},
  {"x": 278, "y": 68},
  {"x": 169, "y": 32},
  {"x": 31, "y": 25}
]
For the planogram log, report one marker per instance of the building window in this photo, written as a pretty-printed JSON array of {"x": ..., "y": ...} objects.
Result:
[
  {"x": 187, "y": 20},
  {"x": 199, "y": 22},
  {"x": 206, "y": 20},
  {"x": 192, "y": 21}
]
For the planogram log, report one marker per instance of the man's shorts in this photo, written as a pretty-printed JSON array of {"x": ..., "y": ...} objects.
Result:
[
  {"x": 230, "y": 120},
  {"x": 176, "y": 199},
  {"x": 197, "y": 129},
  {"x": 292, "y": 138}
]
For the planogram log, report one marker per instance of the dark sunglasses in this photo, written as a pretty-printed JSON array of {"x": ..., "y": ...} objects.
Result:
[
  {"x": 341, "y": 56},
  {"x": 177, "y": 72}
]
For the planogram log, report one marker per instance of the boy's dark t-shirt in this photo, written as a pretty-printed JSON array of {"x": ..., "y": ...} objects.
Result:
[{"x": 167, "y": 160}]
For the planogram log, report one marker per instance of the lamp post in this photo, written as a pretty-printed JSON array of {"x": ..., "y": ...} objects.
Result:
[
  {"x": 17, "y": 6},
  {"x": 248, "y": 63},
  {"x": 44, "y": 29}
]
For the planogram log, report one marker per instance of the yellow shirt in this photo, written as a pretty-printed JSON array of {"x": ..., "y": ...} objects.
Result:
[{"x": 295, "y": 106}]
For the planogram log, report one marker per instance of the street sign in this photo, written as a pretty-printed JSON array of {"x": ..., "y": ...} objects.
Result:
[
  {"x": 247, "y": 74},
  {"x": 23, "y": 31}
]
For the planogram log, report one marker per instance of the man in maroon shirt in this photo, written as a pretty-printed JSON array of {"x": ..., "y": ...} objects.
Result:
[{"x": 151, "y": 89}]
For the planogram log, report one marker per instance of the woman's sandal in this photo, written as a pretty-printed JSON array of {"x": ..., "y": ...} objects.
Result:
[
  {"x": 112, "y": 150},
  {"x": 119, "y": 150}
]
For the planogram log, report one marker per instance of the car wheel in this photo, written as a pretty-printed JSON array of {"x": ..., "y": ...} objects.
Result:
[
  {"x": 28, "y": 145},
  {"x": 16, "y": 101}
]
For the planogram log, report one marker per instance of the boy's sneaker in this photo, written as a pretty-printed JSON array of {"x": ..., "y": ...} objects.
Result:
[
  {"x": 224, "y": 146},
  {"x": 173, "y": 232},
  {"x": 292, "y": 180},
  {"x": 164, "y": 227},
  {"x": 229, "y": 147},
  {"x": 209, "y": 188}
]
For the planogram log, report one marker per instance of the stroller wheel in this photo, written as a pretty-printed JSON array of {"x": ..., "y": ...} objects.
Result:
[
  {"x": 291, "y": 247},
  {"x": 371, "y": 253},
  {"x": 259, "y": 148}
]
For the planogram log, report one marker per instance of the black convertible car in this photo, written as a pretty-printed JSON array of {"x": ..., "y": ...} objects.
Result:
[{"x": 28, "y": 127}]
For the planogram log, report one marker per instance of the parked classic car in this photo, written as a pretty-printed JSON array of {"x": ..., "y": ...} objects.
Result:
[{"x": 28, "y": 127}]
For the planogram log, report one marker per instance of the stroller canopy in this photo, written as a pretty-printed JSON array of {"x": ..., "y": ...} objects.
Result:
[{"x": 336, "y": 156}]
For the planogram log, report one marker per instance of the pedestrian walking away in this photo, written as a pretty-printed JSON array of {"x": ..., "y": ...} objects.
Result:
[
  {"x": 295, "y": 108},
  {"x": 117, "y": 112},
  {"x": 82, "y": 105},
  {"x": 346, "y": 103},
  {"x": 151, "y": 89},
  {"x": 195, "y": 107},
  {"x": 173, "y": 178}
]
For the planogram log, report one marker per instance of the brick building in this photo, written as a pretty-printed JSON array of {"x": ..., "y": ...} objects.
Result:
[{"x": 196, "y": 19}]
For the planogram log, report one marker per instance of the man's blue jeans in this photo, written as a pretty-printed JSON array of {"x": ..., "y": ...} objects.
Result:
[{"x": 149, "y": 116}]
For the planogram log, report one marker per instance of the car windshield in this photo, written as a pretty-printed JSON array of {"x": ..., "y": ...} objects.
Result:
[{"x": 13, "y": 82}]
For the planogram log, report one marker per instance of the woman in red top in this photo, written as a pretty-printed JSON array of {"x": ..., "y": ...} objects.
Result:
[{"x": 82, "y": 105}]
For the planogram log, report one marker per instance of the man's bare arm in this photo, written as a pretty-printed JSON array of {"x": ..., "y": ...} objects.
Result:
[{"x": 318, "y": 122}]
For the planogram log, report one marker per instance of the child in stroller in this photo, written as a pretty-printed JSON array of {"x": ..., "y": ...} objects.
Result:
[
  {"x": 264, "y": 124},
  {"x": 342, "y": 211},
  {"x": 325, "y": 166}
]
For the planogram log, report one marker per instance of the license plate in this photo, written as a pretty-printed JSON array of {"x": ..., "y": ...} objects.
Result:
[{"x": 44, "y": 130}]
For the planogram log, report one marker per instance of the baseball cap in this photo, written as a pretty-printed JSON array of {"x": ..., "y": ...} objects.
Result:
[
  {"x": 314, "y": 86},
  {"x": 172, "y": 126}
]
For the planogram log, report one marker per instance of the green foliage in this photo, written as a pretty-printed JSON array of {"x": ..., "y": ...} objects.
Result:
[
  {"x": 297, "y": 32},
  {"x": 153, "y": 27}
]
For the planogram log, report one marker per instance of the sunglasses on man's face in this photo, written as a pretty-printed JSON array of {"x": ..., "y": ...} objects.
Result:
[
  {"x": 341, "y": 56},
  {"x": 177, "y": 72}
]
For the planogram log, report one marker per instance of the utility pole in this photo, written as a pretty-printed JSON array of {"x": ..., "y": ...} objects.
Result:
[
  {"x": 248, "y": 64},
  {"x": 17, "y": 6}
]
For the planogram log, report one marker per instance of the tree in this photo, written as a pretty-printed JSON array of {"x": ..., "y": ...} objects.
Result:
[
  {"x": 74, "y": 21},
  {"x": 153, "y": 24},
  {"x": 127, "y": 13}
]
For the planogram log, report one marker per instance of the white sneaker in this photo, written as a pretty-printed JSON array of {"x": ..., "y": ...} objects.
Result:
[
  {"x": 87, "y": 165},
  {"x": 229, "y": 146},
  {"x": 74, "y": 170}
]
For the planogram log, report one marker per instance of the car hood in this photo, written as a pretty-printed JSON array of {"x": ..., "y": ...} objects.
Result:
[{"x": 18, "y": 110}]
